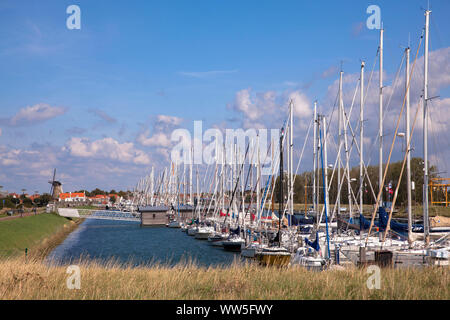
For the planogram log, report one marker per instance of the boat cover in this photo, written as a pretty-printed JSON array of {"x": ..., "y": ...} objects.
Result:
[
  {"x": 396, "y": 226},
  {"x": 315, "y": 245}
]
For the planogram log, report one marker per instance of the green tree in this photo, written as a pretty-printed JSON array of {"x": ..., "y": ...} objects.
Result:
[
  {"x": 8, "y": 203},
  {"x": 44, "y": 199},
  {"x": 97, "y": 192},
  {"x": 27, "y": 203}
]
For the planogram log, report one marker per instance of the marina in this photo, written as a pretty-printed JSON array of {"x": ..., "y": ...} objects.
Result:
[
  {"x": 225, "y": 150},
  {"x": 233, "y": 206}
]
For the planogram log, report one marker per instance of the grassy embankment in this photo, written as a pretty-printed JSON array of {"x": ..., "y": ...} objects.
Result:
[
  {"x": 35, "y": 280},
  {"x": 39, "y": 234}
]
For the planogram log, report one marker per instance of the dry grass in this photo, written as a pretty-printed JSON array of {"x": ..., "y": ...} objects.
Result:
[{"x": 36, "y": 280}]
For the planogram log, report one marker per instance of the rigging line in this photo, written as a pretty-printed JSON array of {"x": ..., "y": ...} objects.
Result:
[
  {"x": 284, "y": 137},
  {"x": 438, "y": 33},
  {"x": 260, "y": 177},
  {"x": 364, "y": 165},
  {"x": 392, "y": 145},
  {"x": 332, "y": 111},
  {"x": 202, "y": 185},
  {"x": 325, "y": 189},
  {"x": 365, "y": 98},
  {"x": 237, "y": 183},
  {"x": 216, "y": 183},
  {"x": 387, "y": 108},
  {"x": 401, "y": 175},
  {"x": 277, "y": 161},
  {"x": 435, "y": 139},
  {"x": 371, "y": 76},
  {"x": 246, "y": 182},
  {"x": 433, "y": 134},
  {"x": 263, "y": 201},
  {"x": 301, "y": 154},
  {"x": 339, "y": 190}
]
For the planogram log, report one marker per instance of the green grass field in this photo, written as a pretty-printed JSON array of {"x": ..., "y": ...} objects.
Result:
[{"x": 28, "y": 232}]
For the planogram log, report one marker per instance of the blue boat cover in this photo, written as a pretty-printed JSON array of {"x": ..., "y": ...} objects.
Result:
[
  {"x": 364, "y": 224},
  {"x": 236, "y": 231},
  {"x": 315, "y": 245},
  {"x": 396, "y": 226}
]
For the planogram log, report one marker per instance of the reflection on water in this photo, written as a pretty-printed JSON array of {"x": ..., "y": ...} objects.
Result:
[{"x": 128, "y": 242}]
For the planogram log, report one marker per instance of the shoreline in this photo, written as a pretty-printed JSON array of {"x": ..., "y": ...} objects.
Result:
[{"x": 42, "y": 250}]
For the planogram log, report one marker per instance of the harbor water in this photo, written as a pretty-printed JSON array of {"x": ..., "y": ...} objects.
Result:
[{"x": 129, "y": 243}]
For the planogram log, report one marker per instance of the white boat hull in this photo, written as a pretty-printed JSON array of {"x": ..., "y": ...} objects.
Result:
[{"x": 202, "y": 235}]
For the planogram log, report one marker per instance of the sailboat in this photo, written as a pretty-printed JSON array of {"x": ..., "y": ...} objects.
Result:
[
  {"x": 305, "y": 256},
  {"x": 275, "y": 254},
  {"x": 234, "y": 242}
]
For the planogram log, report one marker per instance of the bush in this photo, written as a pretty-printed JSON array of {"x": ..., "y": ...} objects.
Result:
[
  {"x": 27, "y": 203},
  {"x": 8, "y": 203}
]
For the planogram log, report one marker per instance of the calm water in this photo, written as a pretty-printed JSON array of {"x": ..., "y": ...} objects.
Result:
[{"x": 129, "y": 242}]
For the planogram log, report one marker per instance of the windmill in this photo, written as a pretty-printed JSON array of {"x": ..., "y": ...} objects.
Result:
[{"x": 56, "y": 187}]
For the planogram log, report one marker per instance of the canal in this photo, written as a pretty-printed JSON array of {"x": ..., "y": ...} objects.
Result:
[{"x": 129, "y": 243}]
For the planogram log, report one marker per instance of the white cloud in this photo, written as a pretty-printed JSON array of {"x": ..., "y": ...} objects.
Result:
[
  {"x": 269, "y": 109},
  {"x": 157, "y": 140},
  {"x": 244, "y": 104},
  {"x": 106, "y": 148},
  {"x": 37, "y": 113},
  {"x": 302, "y": 105},
  {"x": 13, "y": 157},
  {"x": 162, "y": 128},
  {"x": 169, "y": 119}
]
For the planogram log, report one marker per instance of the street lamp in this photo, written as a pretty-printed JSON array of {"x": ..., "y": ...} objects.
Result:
[
  {"x": 34, "y": 203},
  {"x": 402, "y": 135}
]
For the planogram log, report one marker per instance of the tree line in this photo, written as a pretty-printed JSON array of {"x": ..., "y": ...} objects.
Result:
[
  {"x": 305, "y": 180},
  {"x": 97, "y": 191}
]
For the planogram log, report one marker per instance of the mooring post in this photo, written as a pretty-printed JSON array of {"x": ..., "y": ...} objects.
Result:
[{"x": 362, "y": 255}]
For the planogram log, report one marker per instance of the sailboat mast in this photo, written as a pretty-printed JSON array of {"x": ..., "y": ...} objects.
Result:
[
  {"x": 361, "y": 140},
  {"x": 425, "y": 130},
  {"x": 315, "y": 158},
  {"x": 326, "y": 198},
  {"x": 408, "y": 157},
  {"x": 184, "y": 184},
  {"x": 258, "y": 179},
  {"x": 190, "y": 179},
  {"x": 281, "y": 200},
  {"x": 198, "y": 192},
  {"x": 347, "y": 164},
  {"x": 152, "y": 187},
  {"x": 380, "y": 169},
  {"x": 291, "y": 161},
  {"x": 339, "y": 144}
]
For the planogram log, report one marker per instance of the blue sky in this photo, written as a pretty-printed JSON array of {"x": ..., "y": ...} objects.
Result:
[{"x": 134, "y": 61}]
